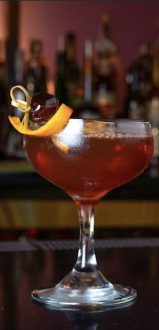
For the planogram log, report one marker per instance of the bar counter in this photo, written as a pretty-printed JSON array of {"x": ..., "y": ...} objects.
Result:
[{"x": 28, "y": 265}]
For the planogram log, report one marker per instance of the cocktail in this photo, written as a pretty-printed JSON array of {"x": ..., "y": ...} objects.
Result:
[{"x": 87, "y": 159}]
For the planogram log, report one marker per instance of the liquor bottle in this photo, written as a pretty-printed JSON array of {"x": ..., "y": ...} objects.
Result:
[
  {"x": 105, "y": 94},
  {"x": 14, "y": 145},
  {"x": 72, "y": 71},
  {"x": 152, "y": 108},
  {"x": 19, "y": 66},
  {"x": 4, "y": 106},
  {"x": 60, "y": 80},
  {"x": 36, "y": 71},
  {"x": 107, "y": 72},
  {"x": 139, "y": 83},
  {"x": 134, "y": 107},
  {"x": 87, "y": 109},
  {"x": 104, "y": 47},
  {"x": 146, "y": 68}
]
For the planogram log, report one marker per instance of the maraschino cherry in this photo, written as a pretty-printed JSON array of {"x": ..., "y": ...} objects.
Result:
[{"x": 43, "y": 107}]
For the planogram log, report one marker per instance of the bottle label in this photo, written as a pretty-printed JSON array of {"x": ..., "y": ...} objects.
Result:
[
  {"x": 106, "y": 103},
  {"x": 153, "y": 117},
  {"x": 155, "y": 132}
]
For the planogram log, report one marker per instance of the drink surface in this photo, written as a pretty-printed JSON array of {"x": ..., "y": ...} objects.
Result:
[{"x": 95, "y": 162}]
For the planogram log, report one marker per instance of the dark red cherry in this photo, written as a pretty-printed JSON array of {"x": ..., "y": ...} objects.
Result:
[{"x": 43, "y": 107}]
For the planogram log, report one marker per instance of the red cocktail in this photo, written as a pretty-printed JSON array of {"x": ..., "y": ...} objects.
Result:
[
  {"x": 95, "y": 163},
  {"x": 87, "y": 159}
]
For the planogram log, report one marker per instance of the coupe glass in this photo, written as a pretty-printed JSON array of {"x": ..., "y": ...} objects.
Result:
[{"x": 88, "y": 159}]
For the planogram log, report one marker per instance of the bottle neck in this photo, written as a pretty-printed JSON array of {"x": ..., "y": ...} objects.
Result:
[
  {"x": 88, "y": 80},
  {"x": 88, "y": 72}
]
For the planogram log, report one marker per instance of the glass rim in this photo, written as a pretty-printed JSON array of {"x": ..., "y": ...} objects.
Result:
[
  {"x": 111, "y": 120},
  {"x": 95, "y": 126}
]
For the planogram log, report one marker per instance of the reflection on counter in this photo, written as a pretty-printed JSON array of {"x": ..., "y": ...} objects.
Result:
[{"x": 23, "y": 269}]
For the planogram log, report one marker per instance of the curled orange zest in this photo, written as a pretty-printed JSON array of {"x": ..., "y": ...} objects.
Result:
[{"x": 53, "y": 126}]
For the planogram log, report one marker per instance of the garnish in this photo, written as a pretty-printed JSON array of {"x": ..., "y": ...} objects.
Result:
[
  {"x": 43, "y": 107},
  {"x": 53, "y": 126},
  {"x": 23, "y": 106}
]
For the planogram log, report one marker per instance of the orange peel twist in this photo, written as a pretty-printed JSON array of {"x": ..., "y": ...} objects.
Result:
[{"x": 53, "y": 126}]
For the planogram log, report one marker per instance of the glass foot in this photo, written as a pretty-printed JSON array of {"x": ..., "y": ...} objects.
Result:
[{"x": 60, "y": 297}]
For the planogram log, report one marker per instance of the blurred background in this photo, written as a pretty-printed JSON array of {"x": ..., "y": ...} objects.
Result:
[{"x": 102, "y": 59}]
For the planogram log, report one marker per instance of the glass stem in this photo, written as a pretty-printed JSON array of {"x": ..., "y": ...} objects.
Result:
[
  {"x": 86, "y": 261},
  {"x": 85, "y": 273}
]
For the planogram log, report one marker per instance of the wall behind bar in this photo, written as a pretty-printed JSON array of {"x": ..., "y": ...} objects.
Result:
[{"x": 131, "y": 21}]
